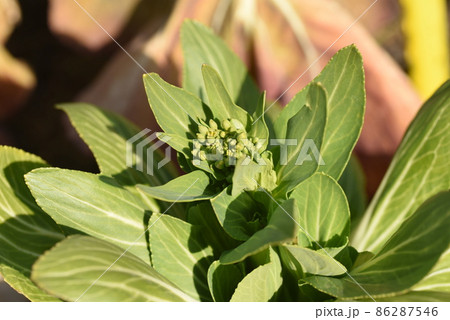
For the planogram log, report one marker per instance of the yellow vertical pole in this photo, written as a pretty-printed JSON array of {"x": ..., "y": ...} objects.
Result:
[{"x": 425, "y": 25}]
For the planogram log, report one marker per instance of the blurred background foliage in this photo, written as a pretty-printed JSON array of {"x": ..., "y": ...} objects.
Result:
[{"x": 53, "y": 51}]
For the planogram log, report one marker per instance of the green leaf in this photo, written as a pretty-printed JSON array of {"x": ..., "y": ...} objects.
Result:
[
  {"x": 180, "y": 254},
  {"x": 259, "y": 127},
  {"x": 180, "y": 144},
  {"x": 193, "y": 186},
  {"x": 82, "y": 268},
  {"x": 201, "y": 46},
  {"x": 176, "y": 110},
  {"x": 353, "y": 183},
  {"x": 347, "y": 257},
  {"x": 219, "y": 100},
  {"x": 418, "y": 171},
  {"x": 93, "y": 204},
  {"x": 223, "y": 280},
  {"x": 305, "y": 131},
  {"x": 262, "y": 284},
  {"x": 106, "y": 134},
  {"x": 282, "y": 227},
  {"x": 334, "y": 251},
  {"x": 25, "y": 230},
  {"x": 250, "y": 176},
  {"x": 270, "y": 116},
  {"x": 438, "y": 279},
  {"x": 203, "y": 215},
  {"x": 235, "y": 213},
  {"x": 315, "y": 262},
  {"x": 405, "y": 259},
  {"x": 343, "y": 80},
  {"x": 324, "y": 213}
]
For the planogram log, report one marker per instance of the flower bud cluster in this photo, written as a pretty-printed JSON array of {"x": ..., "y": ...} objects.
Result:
[{"x": 221, "y": 145}]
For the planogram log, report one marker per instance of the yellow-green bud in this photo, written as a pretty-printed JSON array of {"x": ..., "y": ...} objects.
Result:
[
  {"x": 197, "y": 144},
  {"x": 212, "y": 124},
  {"x": 202, "y": 129},
  {"x": 242, "y": 136},
  {"x": 226, "y": 125},
  {"x": 200, "y": 138}
]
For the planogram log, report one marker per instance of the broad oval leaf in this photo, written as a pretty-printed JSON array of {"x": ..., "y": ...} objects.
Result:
[
  {"x": 405, "y": 259},
  {"x": 418, "y": 171},
  {"x": 25, "y": 230},
  {"x": 83, "y": 268},
  {"x": 262, "y": 284},
  {"x": 353, "y": 184},
  {"x": 93, "y": 204},
  {"x": 343, "y": 80},
  {"x": 180, "y": 253},
  {"x": 223, "y": 280},
  {"x": 201, "y": 46},
  {"x": 235, "y": 213},
  {"x": 106, "y": 134},
  {"x": 439, "y": 277},
  {"x": 324, "y": 213},
  {"x": 315, "y": 262},
  {"x": 282, "y": 227},
  {"x": 259, "y": 127},
  {"x": 192, "y": 186},
  {"x": 176, "y": 110},
  {"x": 202, "y": 214},
  {"x": 299, "y": 155},
  {"x": 219, "y": 100}
]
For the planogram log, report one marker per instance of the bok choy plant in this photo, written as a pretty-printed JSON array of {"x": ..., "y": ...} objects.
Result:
[{"x": 269, "y": 208}]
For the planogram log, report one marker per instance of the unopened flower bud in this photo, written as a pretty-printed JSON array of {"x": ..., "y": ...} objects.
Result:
[
  {"x": 242, "y": 136},
  {"x": 212, "y": 124},
  {"x": 200, "y": 138},
  {"x": 226, "y": 125},
  {"x": 202, "y": 129}
]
